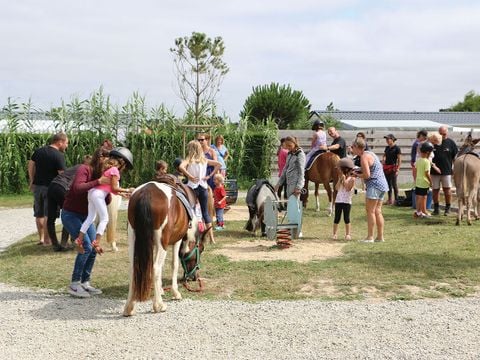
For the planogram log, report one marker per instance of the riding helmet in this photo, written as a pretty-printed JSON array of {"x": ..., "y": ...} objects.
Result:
[
  {"x": 426, "y": 147},
  {"x": 123, "y": 153},
  {"x": 346, "y": 163},
  {"x": 317, "y": 124},
  {"x": 177, "y": 162}
]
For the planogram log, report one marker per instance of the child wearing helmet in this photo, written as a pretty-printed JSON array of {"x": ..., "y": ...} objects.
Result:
[
  {"x": 423, "y": 181},
  {"x": 343, "y": 201}
]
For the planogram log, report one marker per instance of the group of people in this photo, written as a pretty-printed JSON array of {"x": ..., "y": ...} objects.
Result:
[
  {"x": 81, "y": 192},
  {"x": 432, "y": 163}
]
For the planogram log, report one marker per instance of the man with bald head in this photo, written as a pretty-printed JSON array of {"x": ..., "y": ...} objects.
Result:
[
  {"x": 444, "y": 154},
  {"x": 338, "y": 145}
]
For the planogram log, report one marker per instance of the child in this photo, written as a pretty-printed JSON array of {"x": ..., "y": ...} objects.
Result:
[
  {"x": 423, "y": 181},
  {"x": 343, "y": 201},
  {"x": 220, "y": 198},
  {"x": 96, "y": 202},
  {"x": 161, "y": 169}
]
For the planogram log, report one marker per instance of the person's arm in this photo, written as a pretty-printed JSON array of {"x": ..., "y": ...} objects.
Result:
[
  {"x": 349, "y": 183},
  {"x": 82, "y": 183},
  {"x": 115, "y": 184},
  {"x": 301, "y": 170},
  {"x": 183, "y": 169},
  {"x": 399, "y": 162},
  {"x": 216, "y": 166},
  {"x": 31, "y": 173},
  {"x": 225, "y": 154}
]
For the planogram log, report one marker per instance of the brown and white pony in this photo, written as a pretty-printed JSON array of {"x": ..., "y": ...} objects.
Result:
[
  {"x": 322, "y": 171},
  {"x": 156, "y": 220}
]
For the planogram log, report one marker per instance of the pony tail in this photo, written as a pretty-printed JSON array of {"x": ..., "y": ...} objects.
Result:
[{"x": 143, "y": 250}]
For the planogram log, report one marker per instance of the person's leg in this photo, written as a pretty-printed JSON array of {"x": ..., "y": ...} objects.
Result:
[
  {"x": 379, "y": 220},
  {"x": 418, "y": 205},
  {"x": 202, "y": 195},
  {"x": 389, "y": 177},
  {"x": 436, "y": 194},
  {"x": 346, "y": 219},
  {"x": 424, "y": 204},
  {"x": 395, "y": 188},
  {"x": 447, "y": 192},
  {"x": 336, "y": 220},
  {"x": 55, "y": 197},
  {"x": 40, "y": 213},
  {"x": 370, "y": 205}
]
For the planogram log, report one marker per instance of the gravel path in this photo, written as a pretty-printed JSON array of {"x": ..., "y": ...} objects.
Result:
[{"x": 48, "y": 325}]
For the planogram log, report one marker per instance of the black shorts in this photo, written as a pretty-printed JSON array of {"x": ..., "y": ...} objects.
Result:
[{"x": 421, "y": 191}]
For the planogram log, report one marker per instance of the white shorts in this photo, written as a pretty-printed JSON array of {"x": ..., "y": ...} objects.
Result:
[{"x": 445, "y": 180}]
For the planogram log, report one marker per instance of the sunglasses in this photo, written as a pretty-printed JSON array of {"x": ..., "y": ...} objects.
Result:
[{"x": 201, "y": 139}]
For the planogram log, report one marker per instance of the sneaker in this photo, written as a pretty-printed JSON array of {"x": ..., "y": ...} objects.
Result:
[
  {"x": 77, "y": 290},
  {"x": 90, "y": 289},
  {"x": 218, "y": 228},
  {"x": 367, "y": 241}
]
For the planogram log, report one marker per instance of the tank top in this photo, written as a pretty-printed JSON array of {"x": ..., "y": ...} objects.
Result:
[
  {"x": 344, "y": 196},
  {"x": 198, "y": 170},
  {"x": 377, "y": 177},
  {"x": 113, "y": 171}
]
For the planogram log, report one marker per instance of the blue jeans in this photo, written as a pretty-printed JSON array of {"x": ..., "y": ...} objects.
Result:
[
  {"x": 83, "y": 262},
  {"x": 219, "y": 215},
  {"x": 202, "y": 196}
]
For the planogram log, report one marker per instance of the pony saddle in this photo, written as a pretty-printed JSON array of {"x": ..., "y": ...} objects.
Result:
[{"x": 253, "y": 193}]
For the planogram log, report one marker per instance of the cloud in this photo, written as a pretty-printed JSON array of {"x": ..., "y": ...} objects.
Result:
[{"x": 363, "y": 55}]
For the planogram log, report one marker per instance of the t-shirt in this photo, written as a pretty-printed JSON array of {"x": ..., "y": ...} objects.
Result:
[
  {"x": 444, "y": 155},
  {"x": 113, "y": 171},
  {"x": 391, "y": 154},
  {"x": 65, "y": 179},
  {"x": 218, "y": 194},
  {"x": 48, "y": 162},
  {"x": 423, "y": 165},
  {"x": 342, "y": 150}
]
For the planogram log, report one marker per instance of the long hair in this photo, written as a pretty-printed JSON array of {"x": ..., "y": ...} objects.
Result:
[
  {"x": 97, "y": 162},
  {"x": 344, "y": 173},
  {"x": 195, "y": 153}
]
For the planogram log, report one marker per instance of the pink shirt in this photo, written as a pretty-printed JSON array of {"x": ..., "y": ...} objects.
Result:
[{"x": 113, "y": 171}]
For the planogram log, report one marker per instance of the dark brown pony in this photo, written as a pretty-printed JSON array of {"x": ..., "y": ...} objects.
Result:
[
  {"x": 158, "y": 219},
  {"x": 322, "y": 171}
]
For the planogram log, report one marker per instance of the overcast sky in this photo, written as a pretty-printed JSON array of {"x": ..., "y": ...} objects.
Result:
[{"x": 362, "y": 55}]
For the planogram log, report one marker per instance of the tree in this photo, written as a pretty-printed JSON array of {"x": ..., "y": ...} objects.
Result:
[
  {"x": 288, "y": 108},
  {"x": 200, "y": 72},
  {"x": 328, "y": 119},
  {"x": 471, "y": 102}
]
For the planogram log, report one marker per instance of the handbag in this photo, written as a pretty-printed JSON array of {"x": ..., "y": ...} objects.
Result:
[{"x": 389, "y": 169}]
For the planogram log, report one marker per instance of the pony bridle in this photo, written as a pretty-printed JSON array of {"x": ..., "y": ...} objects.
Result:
[{"x": 185, "y": 257}]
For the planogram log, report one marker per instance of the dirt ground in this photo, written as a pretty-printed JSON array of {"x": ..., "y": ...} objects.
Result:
[{"x": 264, "y": 249}]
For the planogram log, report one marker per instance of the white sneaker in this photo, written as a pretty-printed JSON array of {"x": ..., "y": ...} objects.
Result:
[
  {"x": 77, "y": 290},
  {"x": 90, "y": 289},
  {"x": 367, "y": 241}
]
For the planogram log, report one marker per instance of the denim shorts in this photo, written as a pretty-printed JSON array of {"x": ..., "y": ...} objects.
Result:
[{"x": 375, "y": 194}]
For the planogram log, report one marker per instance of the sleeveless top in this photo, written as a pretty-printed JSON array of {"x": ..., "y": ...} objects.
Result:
[
  {"x": 377, "y": 178},
  {"x": 344, "y": 196},
  {"x": 198, "y": 170},
  {"x": 321, "y": 140},
  {"x": 221, "y": 151}
]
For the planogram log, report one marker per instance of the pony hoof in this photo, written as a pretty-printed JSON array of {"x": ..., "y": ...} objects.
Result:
[
  {"x": 114, "y": 248},
  {"x": 128, "y": 311},
  {"x": 177, "y": 296},
  {"x": 159, "y": 308}
]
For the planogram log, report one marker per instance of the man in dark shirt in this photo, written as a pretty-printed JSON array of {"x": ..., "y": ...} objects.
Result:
[
  {"x": 444, "y": 154},
  {"x": 338, "y": 145},
  {"x": 45, "y": 163}
]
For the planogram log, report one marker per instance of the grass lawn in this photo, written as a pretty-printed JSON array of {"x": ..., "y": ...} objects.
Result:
[
  {"x": 429, "y": 258},
  {"x": 16, "y": 200}
]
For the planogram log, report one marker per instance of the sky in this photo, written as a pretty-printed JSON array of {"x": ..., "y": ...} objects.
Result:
[{"x": 361, "y": 55}]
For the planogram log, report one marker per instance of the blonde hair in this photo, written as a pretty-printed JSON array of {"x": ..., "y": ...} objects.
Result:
[
  {"x": 435, "y": 138},
  {"x": 161, "y": 165},
  {"x": 195, "y": 153},
  {"x": 219, "y": 177},
  {"x": 359, "y": 143}
]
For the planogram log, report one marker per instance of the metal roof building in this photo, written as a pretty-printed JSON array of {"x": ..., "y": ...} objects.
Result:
[{"x": 401, "y": 119}]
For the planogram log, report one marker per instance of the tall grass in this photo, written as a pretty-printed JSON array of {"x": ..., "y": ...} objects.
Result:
[{"x": 150, "y": 133}]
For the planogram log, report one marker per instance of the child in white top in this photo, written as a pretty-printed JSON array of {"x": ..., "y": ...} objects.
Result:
[
  {"x": 343, "y": 201},
  {"x": 96, "y": 202}
]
